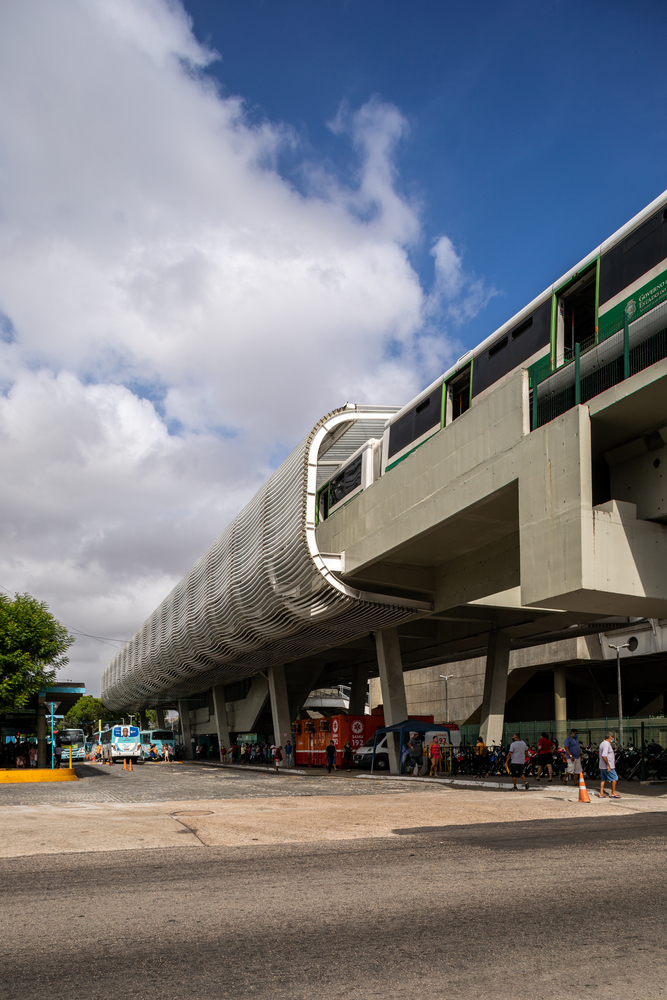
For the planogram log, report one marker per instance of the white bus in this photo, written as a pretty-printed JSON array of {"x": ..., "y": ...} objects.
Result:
[
  {"x": 121, "y": 743},
  {"x": 72, "y": 741},
  {"x": 159, "y": 738}
]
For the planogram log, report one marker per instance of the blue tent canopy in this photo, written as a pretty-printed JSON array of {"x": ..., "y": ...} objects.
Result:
[{"x": 409, "y": 726}]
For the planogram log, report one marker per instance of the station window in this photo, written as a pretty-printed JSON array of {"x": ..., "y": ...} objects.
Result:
[
  {"x": 458, "y": 395},
  {"x": 575, "y": 317}
]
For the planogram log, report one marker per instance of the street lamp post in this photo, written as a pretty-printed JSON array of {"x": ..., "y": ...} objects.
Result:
[
  {"x": 625, "y": 645},
  {"x": 53, "y": 705},
  {"x": 445, "y": 678}
]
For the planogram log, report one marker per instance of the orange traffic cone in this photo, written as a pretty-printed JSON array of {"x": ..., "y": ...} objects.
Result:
[
  {"x": 125, "y": 763},
  {"x": 583, "y": 791},
  {"x": 130, "y": 768},
  {"x": 110, "y": 761}
]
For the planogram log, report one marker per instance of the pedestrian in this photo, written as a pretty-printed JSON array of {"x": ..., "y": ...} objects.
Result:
[
  {"x": 481, "y": 757},
  {"x": 517, "y": 765},
  {"x": 288, "y": 754},
  {"x": 58, "y": 753},
  {"x": 278, "y": 756},
  {"x": 545, "y": 748},
  {"x": 608, "y": 767},
  {"x": 223, "y": 754},
  {"x": 434, "y": 754},
  {"x": 573, "y": 754},
  {"x": 32, "y": 754},
  {"x": 331, "y": 756},
  {"x": 416, "y": 758},
  {"x": 405, "y": 753},
  {"x": 347, "y": 756}
]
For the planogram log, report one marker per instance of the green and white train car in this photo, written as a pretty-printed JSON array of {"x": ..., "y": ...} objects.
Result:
[{"x": 601, "y": 322}]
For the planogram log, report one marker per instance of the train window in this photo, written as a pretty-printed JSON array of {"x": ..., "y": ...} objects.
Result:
[
  {"x": 522, "y": 329},
  {"x": 634, "y": 256},
  {"x": 498, "y": 347},
  {"x": 323, "y": 503},
  {"x": 422, "y": 418},
  {"x": 531, "y": 335},
  {"x": 346, "y": 481}
]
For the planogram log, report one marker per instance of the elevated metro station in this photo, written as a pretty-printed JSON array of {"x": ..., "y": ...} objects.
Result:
[{"x": 519, "y": 501}]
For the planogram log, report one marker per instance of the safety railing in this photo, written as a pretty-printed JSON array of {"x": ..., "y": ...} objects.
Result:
[{"x": 594, "y": 366}]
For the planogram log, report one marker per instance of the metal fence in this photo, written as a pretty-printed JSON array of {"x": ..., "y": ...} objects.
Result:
[{"x": 591, "y": 731}]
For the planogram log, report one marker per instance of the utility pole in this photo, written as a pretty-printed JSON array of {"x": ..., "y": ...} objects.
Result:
[
  {"x": 446, "y": 680},
  {"x": 625, "y": 645}
]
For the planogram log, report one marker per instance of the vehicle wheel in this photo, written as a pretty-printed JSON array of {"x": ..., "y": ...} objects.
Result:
[{"x": 381, "y": 763}]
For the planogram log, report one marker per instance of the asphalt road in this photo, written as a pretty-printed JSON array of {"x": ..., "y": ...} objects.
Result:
[{"x": 537, "y": 910}]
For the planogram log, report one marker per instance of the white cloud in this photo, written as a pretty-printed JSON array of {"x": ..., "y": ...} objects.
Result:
[{"x": 174, "y": 314}]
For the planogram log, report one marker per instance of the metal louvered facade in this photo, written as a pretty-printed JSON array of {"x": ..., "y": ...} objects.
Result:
[{"x": 263, "y": 593}]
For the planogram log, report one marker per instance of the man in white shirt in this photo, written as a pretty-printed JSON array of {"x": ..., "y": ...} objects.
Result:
[
  {"x": 608, "y": 767},
  {"x": 517, "y": 766}
]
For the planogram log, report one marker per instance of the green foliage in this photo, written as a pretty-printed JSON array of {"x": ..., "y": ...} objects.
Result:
[
  {"x": 87, "y": 711},
  {"x": 32, "y": 647}
]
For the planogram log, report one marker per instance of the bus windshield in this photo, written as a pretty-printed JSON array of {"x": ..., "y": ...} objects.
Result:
[
  {"x": 69, "y": 736},
  {"x": 162, "y": 734}
]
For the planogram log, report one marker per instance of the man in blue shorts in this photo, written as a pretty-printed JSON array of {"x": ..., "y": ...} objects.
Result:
[{"x": 608, "y": 767}]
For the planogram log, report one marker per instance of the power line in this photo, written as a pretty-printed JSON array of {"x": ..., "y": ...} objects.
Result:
[{"x": 70, "y": 628}]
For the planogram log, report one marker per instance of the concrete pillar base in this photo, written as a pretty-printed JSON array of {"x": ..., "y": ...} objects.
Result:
[
  {"x": 282, "y": 724},
  {"x": 220, "y": 708},
  {"x": 184, "y": 718},
  {"x": 395, "y": 704},
  {"x": 495, "y": 689},
  {"x": 358, "y": 691}
]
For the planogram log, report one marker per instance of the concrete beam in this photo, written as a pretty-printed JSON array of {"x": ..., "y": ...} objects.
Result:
[
  {"x": 393, "y": 688},
  {"x": 495, "y": 688},
  {"x": 184, "y": 719},
  {"x": 159, "y": 715},
  {"x": 244, "y": 714},
  {"x": 282, "y": 723}
]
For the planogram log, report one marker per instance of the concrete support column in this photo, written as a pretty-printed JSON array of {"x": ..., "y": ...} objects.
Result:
[
  {"x": 560, "y": 704},
  {"x": 143, "y": 720},
  {"x": 282, "y": 724},
  {"x": 184, "y": 718},
  {"x": 390, "y": 664},
  {"x": 220, "y": 708},
  {"x": 358, "y": 691},
  {"x": 159, "y": 716},
  {"x": 41, "y": 733},
  {"x": 495, "y": 688}
]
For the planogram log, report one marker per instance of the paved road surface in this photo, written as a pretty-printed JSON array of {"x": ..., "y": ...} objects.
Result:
[{"x": 553, "y": 910}]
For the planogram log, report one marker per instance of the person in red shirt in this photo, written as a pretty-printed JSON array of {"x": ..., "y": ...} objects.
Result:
[{"x": 545, "y": 748}]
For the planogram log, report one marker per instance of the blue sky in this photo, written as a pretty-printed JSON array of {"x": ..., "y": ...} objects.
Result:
[
  {"x": 536, "y": 130},
  {"x": 200, "y": 257}
]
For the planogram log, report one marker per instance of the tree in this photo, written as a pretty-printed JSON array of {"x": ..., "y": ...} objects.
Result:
[
  {"x": 87, "y": 711},
  {"x": 32, "y": 647}
]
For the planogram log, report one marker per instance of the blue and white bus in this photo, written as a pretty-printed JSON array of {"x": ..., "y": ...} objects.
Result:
[
  {"x": 159, "y": 738},
  {"x": 121, "y": 743}
]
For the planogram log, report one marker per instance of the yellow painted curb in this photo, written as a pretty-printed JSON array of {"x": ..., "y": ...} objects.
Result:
[{"x": 17, "y": 777}]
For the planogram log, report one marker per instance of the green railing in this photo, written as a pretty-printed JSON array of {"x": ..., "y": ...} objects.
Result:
[{"x": 612, "y": 366}]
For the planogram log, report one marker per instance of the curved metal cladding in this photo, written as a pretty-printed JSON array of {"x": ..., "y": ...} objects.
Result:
[{"x": 262, "y": 594}]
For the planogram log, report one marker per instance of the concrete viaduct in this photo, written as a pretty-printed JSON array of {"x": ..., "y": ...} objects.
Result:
[{"x": 490, "y": 537}]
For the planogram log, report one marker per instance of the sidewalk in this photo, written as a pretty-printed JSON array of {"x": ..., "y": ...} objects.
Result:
[{"x": 494, "y": 782}]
